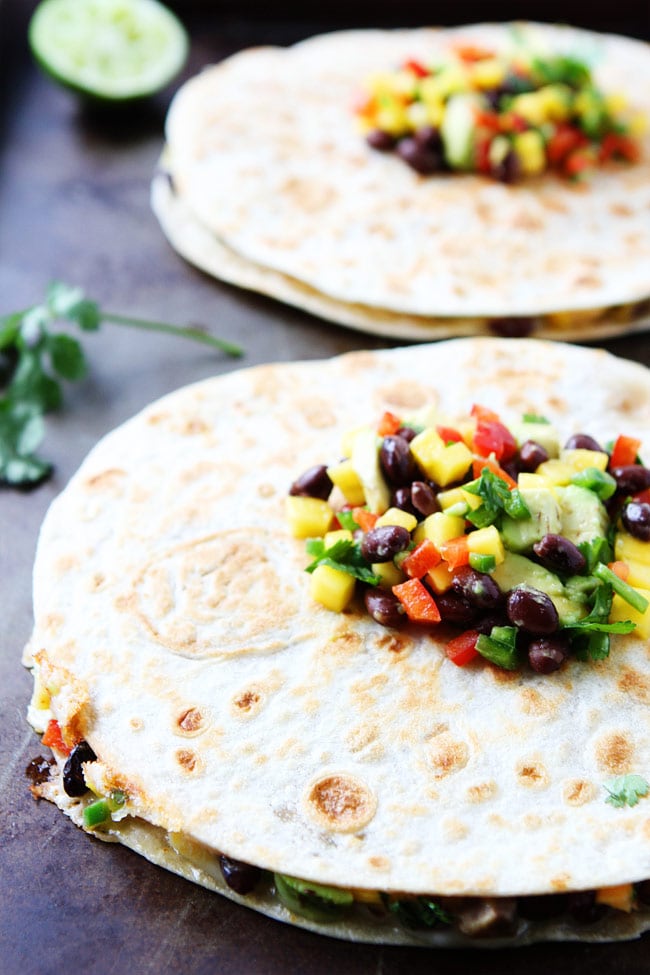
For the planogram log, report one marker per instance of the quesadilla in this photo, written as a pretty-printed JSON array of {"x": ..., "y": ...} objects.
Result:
[
  {"x": 276, "y": 189},
  {"x": 207, "y": 709}
]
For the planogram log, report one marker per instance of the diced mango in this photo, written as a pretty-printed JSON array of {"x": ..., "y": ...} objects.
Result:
[
  {"x": 638, "y": 574},
  {"x": 395, "y": 516},
  {"x": 530, "y": 106},
  {"x": 389, "y": 574},
  {"x": 488, "y": 73},
  {"x": 347, "y": 480},
  {"x": 393, "y": 119},
  {"x": 348, "y": 438},
  {"x": 487, "y": 541},
  {"x": 440, "y": 577},
  {"x": 448, "y": 499},
  {"x": 439, "y": 528},
  {"x": 340, "y": 535},
  {"x": 623, "y": 611},
  {"x": 308, "y": 517},
  {"x": 449, "y": 464},
  {"x": 531, "y": 152},
  {"x": 556, "y": 472},
  {"x": 556, "y": 100},
  {"x": 630, "y": 549},
  {"x": 426, "y": 446},
  {"x": 529, "y": 482},
  {"x": 620, "y": 897},
  {"x": 579, "y": 459},
  {"x": 467, "y": 429},
  {"x": 331, "y": 587}
]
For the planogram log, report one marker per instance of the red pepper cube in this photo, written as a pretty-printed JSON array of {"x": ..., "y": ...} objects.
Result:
[
  {"x": 449, "y": 435},
  {"x": 366, "y": 520},
  {"x": 455, "y": 552},
  {"x": 492, "y": 437},
  {"x": 462, "y": 649},
  {"x": 624, "y": 452},
  {"x": 417, "y": 601},
  {"x": 388, "y": 425},
  {"x": 54, "y": 739},
  {"x": 423, "y": 558}
]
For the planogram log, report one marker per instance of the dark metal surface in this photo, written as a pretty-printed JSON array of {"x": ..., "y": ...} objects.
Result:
[{"x": 74, "y": 205}]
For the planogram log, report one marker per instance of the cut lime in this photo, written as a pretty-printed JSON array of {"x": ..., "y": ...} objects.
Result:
[{"x": 113, "y": 50}]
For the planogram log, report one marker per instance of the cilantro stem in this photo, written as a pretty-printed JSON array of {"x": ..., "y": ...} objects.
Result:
[{"x": 196, "y": 334}]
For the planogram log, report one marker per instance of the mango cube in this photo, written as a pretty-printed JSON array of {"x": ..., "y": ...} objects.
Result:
[
  {"x": 340, "y": 535},
  {"x": 579, "y": 459},
  {"x": 630, "y": 549},
  {"x": 331, "y": 587},
  {"x": 639, "y": 575},
  {"x": 308, "y": 517},
  {"x": 347, "y": 480},
  {"x": 389, "y": 574},
  {"x": 439, "y": 528},
  {"x": 440, "y": 577},
  {"x": 486, "y": 541},
  {"x": 530, "y": 149},
  {"x": 623, "y": 611},
  {"x": 395, "y": 516},
  {"x": 556, "y": 472},
  {"x": 426, "y": 446},
  {"x": 532, "y": 482},
  {"x": 447, "y": 499},
  {"x": 451, "y": 464}
]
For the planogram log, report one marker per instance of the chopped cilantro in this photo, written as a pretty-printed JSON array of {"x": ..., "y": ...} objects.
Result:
[
  {"x": 626, "y": 790},
  {"x": 535, "y": 418},
  {"x": 594, "y": 551},
  {"x": 497, "y": 499},
  {"x": 343, "y": 555},
  {"x": 418, "y": 912}
]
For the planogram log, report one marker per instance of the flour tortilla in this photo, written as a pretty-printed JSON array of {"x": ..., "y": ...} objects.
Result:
[
  {"x": 174, "y": 626},
  {"x": 265, "y": 153}
]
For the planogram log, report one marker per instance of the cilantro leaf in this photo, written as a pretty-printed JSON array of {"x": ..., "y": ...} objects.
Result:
[
  {"x": 344, "y": 555},
  {"x": 418, "y": 912},
  {"x": 21, "y": 431},
  {"x": 67, "y": 357},
  {"x": 535, "y": 418},
  {"x": 594, "y": 551},
  {"x": 497, "y": 499},
  {"x": 626, "y": 790}
]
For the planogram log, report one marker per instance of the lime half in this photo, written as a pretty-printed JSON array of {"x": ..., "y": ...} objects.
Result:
[{"x": 113, "y": 50}]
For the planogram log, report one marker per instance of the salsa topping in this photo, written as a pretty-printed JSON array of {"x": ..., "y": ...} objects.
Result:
[
  {"x": 513, "y": 549},
  {"x": 504, "y": 117}
]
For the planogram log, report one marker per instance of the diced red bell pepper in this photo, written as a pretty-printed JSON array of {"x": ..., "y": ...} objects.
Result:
[
  {"x": 455, "y": 552},
  {"x": 366, "y": 520},
  {"x": 621, "y": 569},
  {"x": 482, "y": 413},
  {"x": 449, "y": 435},
  {"x": 54, "y": 739},
  {"x": 462, "y": 649},
  {"x": 479, "y": 464},
  {"x": 578, "y": 162},
  {"x": 564, "y": 140},
  {"x": 416, "y": 68},
  {"x": 418, "y": 602},
  {"x": 493, "y": 437},
  {"x": 389, "y": 424},
  {"x": 488, "y": 120},
  {"x": 482, "y": 155},
  {"x": 618, "y": 146},
  {"x": 423, "y": 558},
  {"x": 643, "y": 496},
  {"x": 624, "y": 452}
]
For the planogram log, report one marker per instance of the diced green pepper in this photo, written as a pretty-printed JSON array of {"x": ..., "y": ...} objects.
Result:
[
  {"x": 482, "y": 563},
  {"x": 96, "y": 813},
  {"x": 600, "y": 482}
]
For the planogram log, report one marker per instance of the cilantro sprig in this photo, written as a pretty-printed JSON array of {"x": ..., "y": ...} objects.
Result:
[
  {"x": 497, "y": 500},
  {"x": 626, "y": 790},
  {"x": 344, "y": 555},
  {"x": 35, "y": 357}
]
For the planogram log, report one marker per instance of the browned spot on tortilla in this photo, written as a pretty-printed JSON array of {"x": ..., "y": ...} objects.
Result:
[
  {"x": 589, "y": 281},
  {"x": 532, "y": 774},
  {"x": 502, "y": 676},
  {"x": 532, "y": 702},
  {"x": 379, "y": 863},
  {"x": 344, "y": 643},
  {"x": 194, "y": 425},
  {"x": 157, "y": 418},
  {"x": 53, "y": 622},
  {"x": 614, "y": 752},
  {"x": 96, "y": 582},
  {"x": 107, "y": 480},
  {"x": 266, "y": 490},
  {"x": 341, "y": 802},
  {"x": 126, "y": 602},
  {"x": 394, "y": 643},
  {"x": 527, "y": 221},
  {"x": 621, "y": 210},
  {"x": 247, "y": 703},
  {"x": 361, "y": 736},
  {"x": 190, "y": 722},
  {"x": 481, "y": 792},
  {"x": 318, "y": 415},
  {"x": 187, "y": 760},
  {"x": 577, "y": 792},
  {"x": 137, "y": 724},
  {"x": 635, "y": 684},
  {"x": 561, "y": 882},
  {"x": 409, "y": 395},
  {"x": 447, "y": 755}
]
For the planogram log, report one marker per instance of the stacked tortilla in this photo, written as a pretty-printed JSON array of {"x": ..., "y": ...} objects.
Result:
[
  {"x": 175, "y": 633},
  {"x": 269, "y": 184}
]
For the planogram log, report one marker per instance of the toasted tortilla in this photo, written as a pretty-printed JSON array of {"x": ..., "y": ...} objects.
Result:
[
  {"x": 175, "y": 633},
  {"x": 265, "y": 153}
]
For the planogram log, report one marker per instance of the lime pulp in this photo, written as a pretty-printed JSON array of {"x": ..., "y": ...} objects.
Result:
[{"x": 113, "y": 50}]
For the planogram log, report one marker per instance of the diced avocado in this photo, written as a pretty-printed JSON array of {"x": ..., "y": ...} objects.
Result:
[
  {"x": 519, "y": 535},
  {"x": 458, "y": 130},
  {"x": 314, "y": 901},
  {"x": 517, "y": 570},
  {"x": 365, "y": 461},
  {"x": 582, "y": 513},
  {"x": 544, "y": 434}
]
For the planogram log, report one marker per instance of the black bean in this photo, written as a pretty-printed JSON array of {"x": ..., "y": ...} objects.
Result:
[
  {"x": 643, "y": 891},
  {"x": 548, "y": 653},
  {"x": 314, "y": 483},
  {"x": 513, "y": 327},
  {"x": 420, "y": 158},
  {"x": 423, "y": 498},
  {"x": 396, "y": 460},
  {"x": 582, "y": 441},
  {"x": 583, "y": 908},
  {"x": 381, "y": 140},
  {"x": 631, "y": 478},
  {"x": 559, "y": 554},
  {"x": 74, "y": 783},
  {"x": 478, "y": 587},
  {"x": 384, "y": 607},
  {"x": 533, "y": 611},
  {"x": 454, "y": 607},
  {"x": 541, "y": 907},
  {"x": 509, "y": 169},
  {"x": 38, "y": 770},
  {"x": 531, "y": 455},
  {"x": 636, "y": 519},
  {"x": 240, "y": 877},
  {"x": 407, "y": 433},
  {"x": 429, "y": 138},
  {"x": 485, "y": 623},
  {"x": 384, "y": 543},
  {"x": 402, "y": 500}
]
